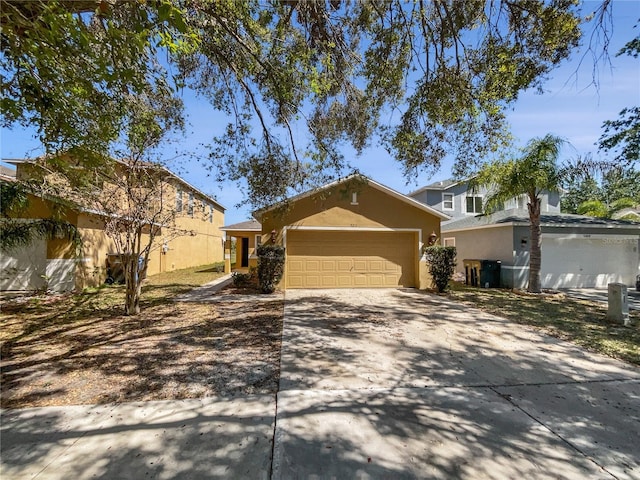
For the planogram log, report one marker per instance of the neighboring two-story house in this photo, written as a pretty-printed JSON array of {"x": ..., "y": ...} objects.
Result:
[
  {"x": 457, "y": 200},
  {"x": 188, "y": 234},
  {"x": 577, "y": 251}
]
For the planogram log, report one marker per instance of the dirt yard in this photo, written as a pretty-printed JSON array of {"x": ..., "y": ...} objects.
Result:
[{"x": 69, "y": 350}]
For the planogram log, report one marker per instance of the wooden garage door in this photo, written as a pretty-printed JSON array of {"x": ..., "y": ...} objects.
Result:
[{"x": 333, "y": 259}]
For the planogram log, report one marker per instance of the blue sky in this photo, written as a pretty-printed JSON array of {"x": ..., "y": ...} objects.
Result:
[{"x": 570, "y": 107}]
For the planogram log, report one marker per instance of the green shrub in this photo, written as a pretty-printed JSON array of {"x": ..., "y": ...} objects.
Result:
[
  {"x": 442, "y": 265},
  {"x": 244, "y": 280},
  {"x": 270, "y": 266}
]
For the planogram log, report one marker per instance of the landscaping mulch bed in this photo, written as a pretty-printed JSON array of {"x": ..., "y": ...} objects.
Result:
[{"x": 52, "y": 355}]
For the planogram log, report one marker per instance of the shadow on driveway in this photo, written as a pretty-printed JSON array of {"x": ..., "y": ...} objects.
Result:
[{"x": 402, "y": 384}]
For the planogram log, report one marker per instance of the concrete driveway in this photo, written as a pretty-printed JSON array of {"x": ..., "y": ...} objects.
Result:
[{"x": 399, "y": 384}]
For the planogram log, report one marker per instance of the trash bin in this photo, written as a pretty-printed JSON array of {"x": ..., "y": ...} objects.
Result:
[
  {"x": 472, "y": 269},
  {"x": 490, "y": 273},
  {"x": 482, "y": 273},
  {"x": 115, "y": 269}
]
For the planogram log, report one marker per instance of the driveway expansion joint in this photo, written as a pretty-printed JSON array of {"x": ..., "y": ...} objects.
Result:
[{"x": 509, "y": 399}]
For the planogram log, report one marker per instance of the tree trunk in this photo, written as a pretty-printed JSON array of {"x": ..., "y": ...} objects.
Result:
[
  {"x": 133, "y": 286},
  {"x": 535, "y": 249}
]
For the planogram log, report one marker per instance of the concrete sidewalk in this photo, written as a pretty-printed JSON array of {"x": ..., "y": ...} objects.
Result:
[
  {"x": 601, "y": 295},
  {"x": 209, "y": 438},
  {"x": 399, "y": 384}
]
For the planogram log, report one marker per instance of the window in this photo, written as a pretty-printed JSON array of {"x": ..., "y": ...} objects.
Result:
[
  {"x": 521, "y": 202},
  {"x": 258, "y": 240},
  {"x": 474, "y": 204},
  {"x": 190, "y": 205},
  {"x": 450, "y": 242},
  {"x": 179, "y": 200},
  {"x": 447, "y": 201},
  {"x": 354, "y": 198},
  {"x": 210, "y": 213}
]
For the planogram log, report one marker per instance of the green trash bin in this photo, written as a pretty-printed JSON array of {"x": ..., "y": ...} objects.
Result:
[{"x": 490, "y": 273}]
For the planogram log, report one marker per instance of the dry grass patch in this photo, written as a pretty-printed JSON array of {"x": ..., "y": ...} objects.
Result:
[
  {"x": 80, "y": 349},
  {"x": 580, "y": 321}
]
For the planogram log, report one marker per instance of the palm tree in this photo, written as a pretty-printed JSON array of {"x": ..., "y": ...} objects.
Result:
[{"x": 530, "y": 174}]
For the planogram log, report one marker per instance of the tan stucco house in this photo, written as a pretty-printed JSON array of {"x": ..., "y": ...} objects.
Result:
[
  {"x": 351, "y": 233},
  {"x": 193, "y": 237}
]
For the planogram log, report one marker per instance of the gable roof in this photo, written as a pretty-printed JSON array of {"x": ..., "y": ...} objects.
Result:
[
  {"x": 183, "y": 182},
  {"x": 520, "y": 217},
  {"x": 372, "y": 183},
  {"x": 439, "y": 186},
  {"x": 248, "y": 226}
]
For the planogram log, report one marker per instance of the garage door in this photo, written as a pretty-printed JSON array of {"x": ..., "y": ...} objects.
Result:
[
  {"x": 588, "y": 261},
  {"x": 331, "y": 259}
]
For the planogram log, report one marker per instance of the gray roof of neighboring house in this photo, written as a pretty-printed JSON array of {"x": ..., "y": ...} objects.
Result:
[
  {"x": 521, "y": 217},
  {"x": 441, "y": 185},
  {"x": 249, "y": 225}
]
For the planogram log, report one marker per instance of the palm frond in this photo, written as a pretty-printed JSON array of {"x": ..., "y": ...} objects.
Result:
[{"x": 15, "y": 233}]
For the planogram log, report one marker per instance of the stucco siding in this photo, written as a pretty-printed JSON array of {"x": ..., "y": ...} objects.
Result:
[
  {"x": 488, "y": 244},
  {"x": 24, "y": 268},
  {"x": 193, "y": 240},
  {"x": 374, "y": 209},
  {"x": 372, "y": 212}
]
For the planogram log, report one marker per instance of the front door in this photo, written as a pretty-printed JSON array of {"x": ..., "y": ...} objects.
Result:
[{"x": 244, "y": 259}]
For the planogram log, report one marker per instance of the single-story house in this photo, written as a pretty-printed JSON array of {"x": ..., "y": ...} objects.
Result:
[
  {"x": 577, "y": 251},
  {"x": 354, "y": 232}
]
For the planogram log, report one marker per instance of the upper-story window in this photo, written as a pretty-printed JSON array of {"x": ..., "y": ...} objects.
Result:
[
  {"x": 179, "y": 201},
  {"x": 190, "y": 205},
  {"x": 474, "y": 204},
  {"x": 210, "y": 213},
  {"x": 447, "y": 201},
  {"x": 521, "y": 202}
]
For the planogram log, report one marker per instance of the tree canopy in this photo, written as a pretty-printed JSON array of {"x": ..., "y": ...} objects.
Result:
[
  {"x": 621, "y": 137},
  {"x": 426, "y": 78},
  {"x": 71, "y": 69}
]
